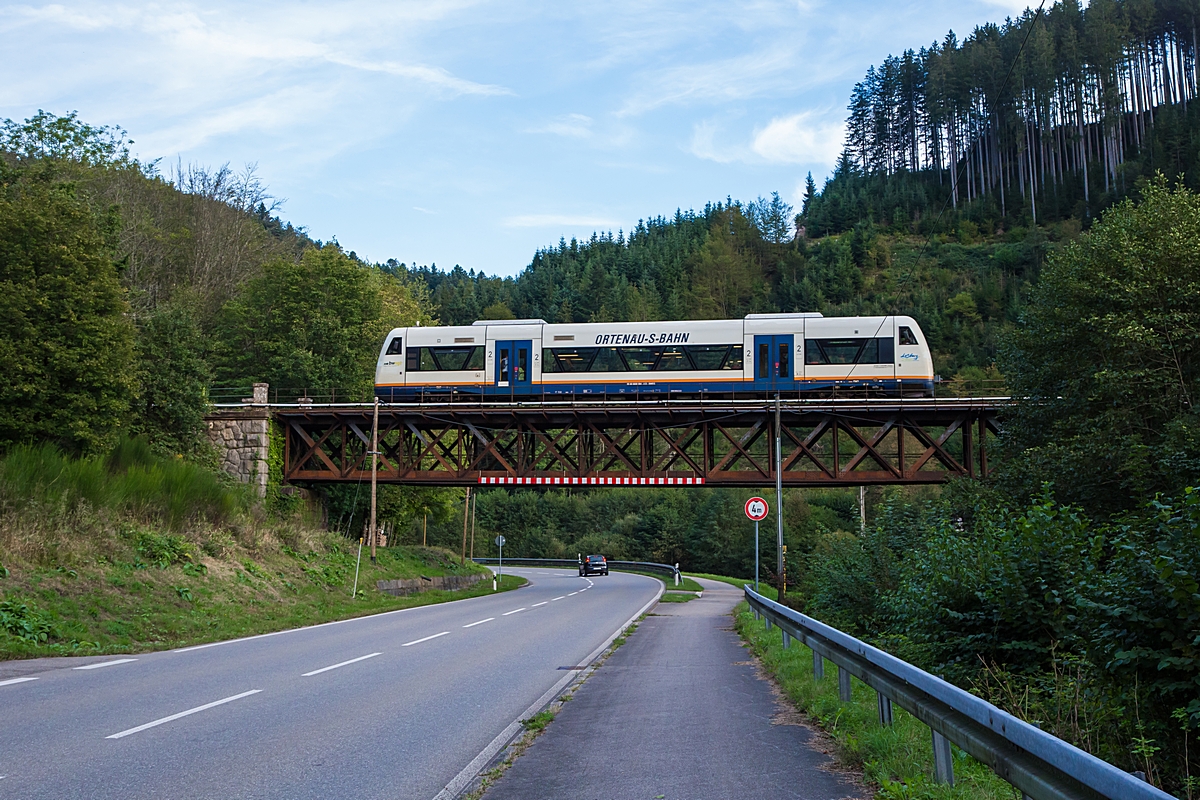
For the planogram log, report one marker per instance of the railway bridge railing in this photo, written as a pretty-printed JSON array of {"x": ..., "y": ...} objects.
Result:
[{"x": 830, "y": 442}]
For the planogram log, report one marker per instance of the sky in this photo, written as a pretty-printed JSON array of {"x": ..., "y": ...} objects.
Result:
[{"x": 472, "y": 132}]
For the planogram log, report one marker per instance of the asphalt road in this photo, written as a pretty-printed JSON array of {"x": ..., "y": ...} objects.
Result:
[
  {"x": 678, "y": 712},
  {"x": 396, "y": 705}
]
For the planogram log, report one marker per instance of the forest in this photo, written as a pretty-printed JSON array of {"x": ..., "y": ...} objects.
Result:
[{"x": 1028, "y": 193}]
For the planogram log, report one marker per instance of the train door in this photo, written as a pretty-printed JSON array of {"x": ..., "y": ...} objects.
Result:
[
  {"x": 512, "y": 366},
  {"x": 774, "y": 366}
]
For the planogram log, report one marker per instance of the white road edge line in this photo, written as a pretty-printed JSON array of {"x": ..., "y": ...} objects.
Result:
[
  {"x": 535, "y": 605},
  {"x": 473, "y": 624},
  {"x": 342, "y": 664},
  {"x": 204, "y": 707},
  {"x": 514, "y": 611},
  {"x": 106, "y": 663},
  {"x": 426, "y": 639},
  {"x": 16, "y": 680},
  {"x": 560, "y": 597},
  {"x": 463, "y": 779}
]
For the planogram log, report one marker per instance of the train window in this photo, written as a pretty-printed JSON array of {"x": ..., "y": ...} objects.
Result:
[
  {"x": 567, "y": 359},
  {"x": 607, "y": 360},
  {"x": 395, "y": 346},
  {"x": 640, "y": 359},
  {"x": 907, "y": 337},
  {"x": 674, "y": 359},
  {"x": 764, "y": 360},
  {"x": 709, "y": 356},
  {"x": 735, "y": 358},
  {"x": 848, "y": 351},
  {"x": 785, "y": 350},
  {"x": 522, "y": 363},
  {"x": 443, "y": 359}
]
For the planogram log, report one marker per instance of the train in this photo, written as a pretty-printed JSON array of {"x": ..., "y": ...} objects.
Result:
[{"x": 759, "y": 356}]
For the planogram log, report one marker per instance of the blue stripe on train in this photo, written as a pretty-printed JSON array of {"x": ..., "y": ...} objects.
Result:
[{"x": 401, "y": 393}]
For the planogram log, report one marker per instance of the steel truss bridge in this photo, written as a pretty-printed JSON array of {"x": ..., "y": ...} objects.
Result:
[{"x": 645, "y": 443}]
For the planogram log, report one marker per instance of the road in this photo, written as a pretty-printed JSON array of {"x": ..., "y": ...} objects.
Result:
[{"x": 395, "y": 705}]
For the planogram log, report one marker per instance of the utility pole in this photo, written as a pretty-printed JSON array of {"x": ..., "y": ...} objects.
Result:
[
  {"x": 466, "y": 516},
  {"x": 862, "y": 509},
  {"x": 779, "y": 495},
  {"x": 424, "y": 528},
  {"x": 474, "y": 505},
  {"x": 374, "y": 468}
]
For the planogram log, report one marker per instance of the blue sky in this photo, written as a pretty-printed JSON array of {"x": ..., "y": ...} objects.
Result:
[{"x": 473, "y": 133}]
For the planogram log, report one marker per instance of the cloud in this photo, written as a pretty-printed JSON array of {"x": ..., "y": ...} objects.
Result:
[
  {"x": 751, "y": 75},
  {"x": 803, "y": 138},
  {"x": 578, "y": 126},
  {"x": 423, "y": 210},
  {"x": 704, "y": 144},
  {"x": 558, "y": 220},
  {"x": 433, "y": 76},
  {"x": 800, "y": 139}
]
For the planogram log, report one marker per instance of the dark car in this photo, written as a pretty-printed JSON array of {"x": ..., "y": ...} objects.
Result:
[{"x": 593, "y": 565}]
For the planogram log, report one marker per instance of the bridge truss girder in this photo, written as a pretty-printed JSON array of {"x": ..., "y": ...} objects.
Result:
[{"x": 843, "y": 445}]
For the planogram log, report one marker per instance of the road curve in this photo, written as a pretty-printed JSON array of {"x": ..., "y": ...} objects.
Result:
[{"x": 394, "y": 705}]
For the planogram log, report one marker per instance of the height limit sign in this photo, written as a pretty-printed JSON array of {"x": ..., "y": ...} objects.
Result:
[{"x": 756, "y": 509}]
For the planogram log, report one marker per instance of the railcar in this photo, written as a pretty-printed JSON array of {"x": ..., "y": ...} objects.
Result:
[{"x": 759, "y": 356}]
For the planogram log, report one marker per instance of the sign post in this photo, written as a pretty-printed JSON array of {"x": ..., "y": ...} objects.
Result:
[
  {"x": 756, "y": 509},
  {"x": 500, "y": 544}
]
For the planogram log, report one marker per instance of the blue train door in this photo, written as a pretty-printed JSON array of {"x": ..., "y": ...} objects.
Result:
[
  {"x": 774, "y": 365},
  {"x": 512, "y": 366}
]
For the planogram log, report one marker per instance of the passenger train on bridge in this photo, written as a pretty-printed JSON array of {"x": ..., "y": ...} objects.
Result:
[{"x": 758, "y": 356}]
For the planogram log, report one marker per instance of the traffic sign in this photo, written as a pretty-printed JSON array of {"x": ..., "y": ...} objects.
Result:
[
  {"x": 499, "y": 541},
  {"x": 756, "y": 509}
]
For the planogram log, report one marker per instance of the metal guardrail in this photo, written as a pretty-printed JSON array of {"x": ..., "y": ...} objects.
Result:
[
  {"x": 570, "y": 563},
  {"x": 1041, "y": 766}
]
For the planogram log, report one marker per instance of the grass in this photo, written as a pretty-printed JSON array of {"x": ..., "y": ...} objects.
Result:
[
  {"x": 897, "y": 759},
  {"x": 129, "y": 605},
  {"x": 765, "y": 589},
  {"x": 676, "y": 597},
  {"x": 685, "y": 584},
  {"x": 130, "y": 552}
]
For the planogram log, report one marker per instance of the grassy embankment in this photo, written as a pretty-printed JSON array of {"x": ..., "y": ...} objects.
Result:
[
  {"x": 896, "y": 759},
  {"x": 686, "y": 590},
  {"x": 131, "y": 553}
]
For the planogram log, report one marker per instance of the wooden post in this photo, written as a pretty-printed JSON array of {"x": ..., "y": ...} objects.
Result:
[
  {"x": 424, "y": 528},
  {"x": 374, "y": 466},
  {"x": 474, "y": 505},
  {"x": 781, "y": 581},
  {"x": 466, "y": 516}
]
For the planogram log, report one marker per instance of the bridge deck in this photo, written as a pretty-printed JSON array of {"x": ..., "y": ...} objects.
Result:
[{"x": 830, "y": 442}]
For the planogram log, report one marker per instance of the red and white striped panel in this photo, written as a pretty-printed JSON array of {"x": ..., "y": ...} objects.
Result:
[{"x": 558, "y": 481}]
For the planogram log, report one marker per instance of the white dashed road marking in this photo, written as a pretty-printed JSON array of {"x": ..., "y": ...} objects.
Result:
[
  {"x": 173, "y": 717},
  {"x": 106, "y": 663},
  {"x": 535, "y": 605},
  {"x": 473, "y": 624},
  {"x": 341, "y": 664},
  {"x": 426, "y": 639},
  {"x": 514, "y": 611},
  {"x": 16, "y": 680}
]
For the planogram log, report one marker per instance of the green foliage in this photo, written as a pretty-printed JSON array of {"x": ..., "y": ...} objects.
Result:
[
  {"x": 162, "y": 550},
  {"x": 315, "y": 323},
  {"x": 173, "y": 379},
  {"x": 130, "y": 480},
  {"x": 1108, "y": 357},
  {"x": 21, "y": 620},
  {"x": 46, "y": 136},
  {"x": 66, "y": 343}
]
